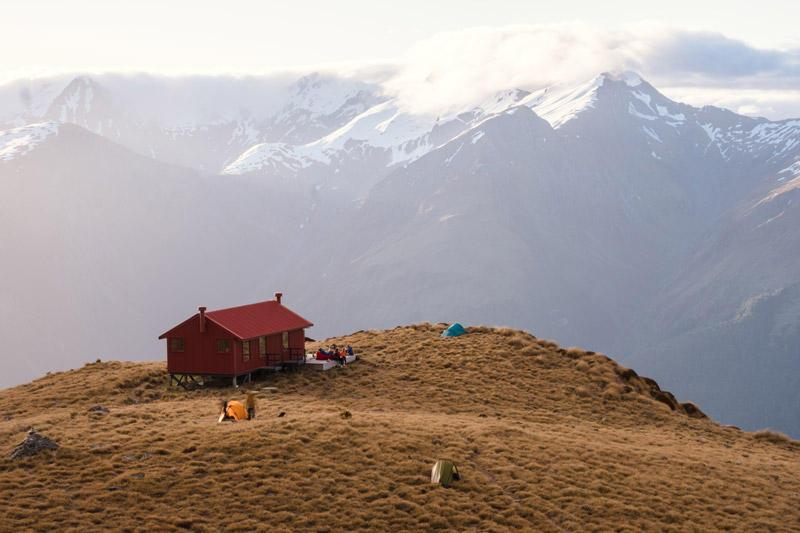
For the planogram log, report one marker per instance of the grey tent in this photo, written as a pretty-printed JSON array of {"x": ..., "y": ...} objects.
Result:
[{"x": 444, "y": 472}]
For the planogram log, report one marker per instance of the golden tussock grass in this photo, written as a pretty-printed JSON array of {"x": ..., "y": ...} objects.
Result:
[{"x": 545, "y": 438}]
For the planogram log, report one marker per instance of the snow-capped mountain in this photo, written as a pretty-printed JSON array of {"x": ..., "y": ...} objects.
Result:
[
  {"x": 83, "y": 103},
  {"x": 317, "y": 105},
  {"x": 598, "y": 213},
  {"x": 17, "y": 142},
  {"x": 399, "y": 137},
  {"x": 201, "y": 133}
]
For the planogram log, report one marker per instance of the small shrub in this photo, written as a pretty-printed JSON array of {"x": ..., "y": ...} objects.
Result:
[
  {"x": 613, "y": 392},
  {"x": 692, "y": 410},
  {"x": 666, "y": 398},
  {"x": 771, "y": 436},
  {"x": 574, "y": 353},
  {"x": 582, "y": 392},
  {"x": 549, "y": 345},
  {"x": 626, "y": 373},
  {"x": 531, "y": 351},
  {"x": 583, "y": 366}
]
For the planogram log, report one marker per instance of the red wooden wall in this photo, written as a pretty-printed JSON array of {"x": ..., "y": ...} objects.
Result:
[{"x": 200, "y": 354}]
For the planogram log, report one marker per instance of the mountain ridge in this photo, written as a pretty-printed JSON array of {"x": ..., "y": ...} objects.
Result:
[
  {"x": 619, "y": 212},
  {"x": 545, "y": 438}
]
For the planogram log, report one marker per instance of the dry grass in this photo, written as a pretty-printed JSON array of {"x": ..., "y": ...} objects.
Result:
[{"x": 546, "y": 439}]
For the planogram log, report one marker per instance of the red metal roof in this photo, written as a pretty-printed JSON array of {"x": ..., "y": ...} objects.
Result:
[{"x": 255, "y": 320}]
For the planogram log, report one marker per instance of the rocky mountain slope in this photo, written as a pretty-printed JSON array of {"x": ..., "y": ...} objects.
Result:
[
  {"x": 545, "y": 439},
  {"x": 599, "y": 213}
]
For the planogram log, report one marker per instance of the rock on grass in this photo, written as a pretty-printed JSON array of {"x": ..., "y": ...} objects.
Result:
[{"x": 31, "y": 445}]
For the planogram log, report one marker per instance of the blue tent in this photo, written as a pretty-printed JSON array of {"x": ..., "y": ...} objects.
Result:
[{"x": 454, "y": 331}]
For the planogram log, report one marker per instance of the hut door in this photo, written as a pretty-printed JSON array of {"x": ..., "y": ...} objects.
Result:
[{"x": 287, "y": 355}]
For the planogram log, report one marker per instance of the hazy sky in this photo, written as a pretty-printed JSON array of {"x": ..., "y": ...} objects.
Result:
[
  {"x": 252, "y": 34},
  {"x": 686, "y": 47}
]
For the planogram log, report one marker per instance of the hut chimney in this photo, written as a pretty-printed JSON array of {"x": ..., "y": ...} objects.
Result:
[
  {"x": 202, "y": 310},
  {"x": 278, "y": 296}
]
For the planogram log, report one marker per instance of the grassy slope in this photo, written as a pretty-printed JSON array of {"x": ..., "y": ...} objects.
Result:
[{"x": 545, "y": 439}]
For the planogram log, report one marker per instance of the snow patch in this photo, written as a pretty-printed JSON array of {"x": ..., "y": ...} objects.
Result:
[
  {"x": 711, "y": 131},
  {"x": 275, "y": 156},
  {"x": 17, "y": 142},
  {"x": 644, "y": 97},
  {"x": 651, "y": 133},
  {"x": 320, "y": 95},
  {"x": 87, "y": 100},
  {"x": 631, "y": 79},
  {"x": 561, "y": 103},
  {"x": 632, "y": 111},
  {"x": 449, "y": 159},
  {"x": 664, "y": 112},
  {"x": 793, "y": 169},
  {"x": 246, "y": 131},
  {"x": 383, "y": 126}
]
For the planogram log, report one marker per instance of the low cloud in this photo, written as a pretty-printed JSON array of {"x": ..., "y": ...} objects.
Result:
[
  {"x": 774, "y": 104},
  {"x": 457, "y": 68},
  {"x": 453, "y": 71}
]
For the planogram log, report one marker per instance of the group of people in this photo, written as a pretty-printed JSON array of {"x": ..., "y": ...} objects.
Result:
[
  {"x": 333, "y": 353},
  {"x": 235, "y": 411}
]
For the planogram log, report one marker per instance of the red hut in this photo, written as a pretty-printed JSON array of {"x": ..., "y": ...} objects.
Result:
[{"x": 235, "y": 342}]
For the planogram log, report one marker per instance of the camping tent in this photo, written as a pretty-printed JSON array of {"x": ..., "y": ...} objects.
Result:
[
  {"x": 444, "y": 472},
  {"x": 454, "y": 330},
  {"x": 234, "y": 410}
]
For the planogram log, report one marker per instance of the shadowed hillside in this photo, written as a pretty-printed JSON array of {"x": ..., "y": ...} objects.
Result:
[{"x": 545, "y": 438}]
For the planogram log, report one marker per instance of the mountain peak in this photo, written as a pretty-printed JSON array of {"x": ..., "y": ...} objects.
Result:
[
  {"x": 561, "y": 103},
  {"x": 83, "y": 87},
  {"x": 84, "y": 80},
  {"x": 319, "y": 104},
  {"x": 631, "y": 79},
  {"x": 82, "y": 102}
]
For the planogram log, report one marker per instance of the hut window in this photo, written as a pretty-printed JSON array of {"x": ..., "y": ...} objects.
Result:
[
  {"x": 245, "y": 350},
  {"x": 262, "y": 346},
  {"x": 286, "y": 340},
  {"x": 223, "y": 346},
  {"x": 176, "y": 345}
]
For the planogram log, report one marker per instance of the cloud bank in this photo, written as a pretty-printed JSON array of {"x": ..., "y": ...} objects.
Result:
[
  {"x": 452, "y": 71},
  {"x": 695, "y": 66}
]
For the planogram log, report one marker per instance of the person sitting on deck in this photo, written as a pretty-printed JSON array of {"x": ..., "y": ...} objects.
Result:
[
  {"x": 349, "y": 350},
  {"x": 324, "y": 355},
  {"x": 338, "y": 356}
]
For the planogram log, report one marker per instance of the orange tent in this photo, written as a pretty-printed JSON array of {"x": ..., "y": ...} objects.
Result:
[{"x": 234, "y": 410}]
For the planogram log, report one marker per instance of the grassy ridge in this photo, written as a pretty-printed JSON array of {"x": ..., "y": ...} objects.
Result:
[{"x": 545, "y": 438}]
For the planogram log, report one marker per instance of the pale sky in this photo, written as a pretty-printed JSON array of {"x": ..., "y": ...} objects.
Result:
[
  {"x": 738, "y": 54},
  {"x": 250, "y": 34}
]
